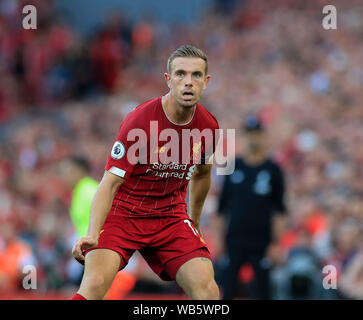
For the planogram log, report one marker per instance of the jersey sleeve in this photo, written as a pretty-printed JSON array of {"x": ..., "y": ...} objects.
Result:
[
  {"x": 278, "y": 191},
  {"x": 225, "y": 197},
  {"x": 120, "y": 161}
]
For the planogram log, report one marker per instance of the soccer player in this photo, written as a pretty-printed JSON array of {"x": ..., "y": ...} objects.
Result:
[{"x": 141, "y": 206}]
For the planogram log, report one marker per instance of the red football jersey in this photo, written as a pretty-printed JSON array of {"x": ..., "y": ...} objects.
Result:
[{"x": 153, "y": 186}]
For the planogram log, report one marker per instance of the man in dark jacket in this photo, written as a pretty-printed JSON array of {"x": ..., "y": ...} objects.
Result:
[{"x": 252, "y": 201}]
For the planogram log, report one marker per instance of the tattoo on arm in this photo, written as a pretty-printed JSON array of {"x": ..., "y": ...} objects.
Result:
[{"x": 204, "y": 259}]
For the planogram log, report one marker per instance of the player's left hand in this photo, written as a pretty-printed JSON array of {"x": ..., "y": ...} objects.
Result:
[{"x": 81, "y": 245}]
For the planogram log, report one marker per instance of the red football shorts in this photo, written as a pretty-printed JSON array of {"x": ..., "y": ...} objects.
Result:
[{"x": 165, "y": 243}]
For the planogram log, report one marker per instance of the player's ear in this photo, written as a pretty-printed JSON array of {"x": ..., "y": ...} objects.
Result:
[
  {"x": 207, "y": 78},
  {"x": 167, "y": 79}
]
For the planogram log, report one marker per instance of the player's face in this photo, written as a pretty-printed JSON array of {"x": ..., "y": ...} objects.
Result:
[
  {"x": 187, "y": 80},
  {"x": 256, "y": 142},
  {"x": 69, "y": 172}
]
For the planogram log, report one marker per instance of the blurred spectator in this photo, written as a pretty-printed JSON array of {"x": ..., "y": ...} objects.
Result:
[
  {"x": 14, "y": 255},
  {"x": 77, "y": 173},
  {"x": 351, "y": 281},
  {"x": 300, "y": 276}
]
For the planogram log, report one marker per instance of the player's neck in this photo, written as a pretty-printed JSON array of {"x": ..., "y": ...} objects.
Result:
[
  {"x": 175, "y": 112},
  {"x": 255, "y": 159}
]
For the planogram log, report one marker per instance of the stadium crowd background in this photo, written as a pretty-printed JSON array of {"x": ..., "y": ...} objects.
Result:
[{"x": 63, "y": 93}]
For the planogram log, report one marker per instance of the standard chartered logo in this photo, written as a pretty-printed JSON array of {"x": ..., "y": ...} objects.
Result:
[
  {"x": 190, "y": 172},
  {"x": 179, "y": 170}
]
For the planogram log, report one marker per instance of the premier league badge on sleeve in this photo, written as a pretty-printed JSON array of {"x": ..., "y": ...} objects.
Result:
[{"x": 118, "y": 150}]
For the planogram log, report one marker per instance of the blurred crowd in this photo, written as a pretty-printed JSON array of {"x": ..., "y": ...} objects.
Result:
[{"x": 62, "y": 94}]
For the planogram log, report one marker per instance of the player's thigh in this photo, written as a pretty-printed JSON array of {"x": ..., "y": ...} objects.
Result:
[
  {"x": 195, "y": 273},
  {"x": 101, "y": 266}
]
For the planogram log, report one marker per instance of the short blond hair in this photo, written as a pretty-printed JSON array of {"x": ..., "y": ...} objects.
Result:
[{"x": 187, "y": 51}]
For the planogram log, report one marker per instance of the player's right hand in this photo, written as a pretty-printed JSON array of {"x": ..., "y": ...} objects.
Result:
[{"x": 81, "y": 245}]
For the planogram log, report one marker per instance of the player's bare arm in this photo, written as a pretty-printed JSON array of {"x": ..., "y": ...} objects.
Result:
[
  {"x": 198, "y": 189},
  {"x": 101, "y": 205}
]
